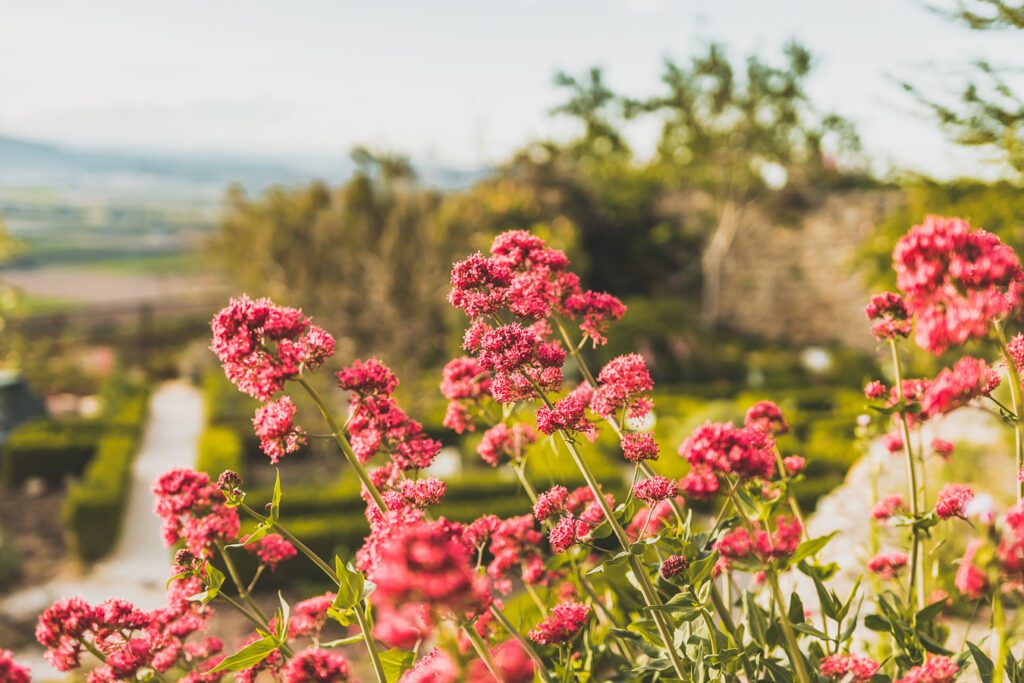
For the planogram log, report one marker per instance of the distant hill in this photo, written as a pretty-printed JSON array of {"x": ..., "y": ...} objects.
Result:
[{"x": 30, "y": 163}]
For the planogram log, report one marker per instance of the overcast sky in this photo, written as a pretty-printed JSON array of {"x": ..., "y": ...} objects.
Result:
[{"x": 461, "y": 82}]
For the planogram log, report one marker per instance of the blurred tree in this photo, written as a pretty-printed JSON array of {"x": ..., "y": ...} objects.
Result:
[
  {"x": 367, "y": 259},
  {"x": 596, "y": 106},
  {"x": 12, "y": 344},
  {"x": 739, "y": 134},
  {"x": 987, "y": 114}
]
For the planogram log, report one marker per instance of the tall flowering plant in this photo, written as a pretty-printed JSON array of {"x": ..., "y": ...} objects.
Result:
[{"x": 628, "y": 586}]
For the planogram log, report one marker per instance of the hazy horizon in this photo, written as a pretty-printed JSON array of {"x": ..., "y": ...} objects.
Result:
[{"x": 454, "y": 83}]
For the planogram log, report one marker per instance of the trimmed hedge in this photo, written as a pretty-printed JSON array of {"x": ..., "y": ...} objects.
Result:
[
  {"x": 93, "y": 507},
  {"x": 49, "y": 450},
  {"x": 220, "y": 448}
]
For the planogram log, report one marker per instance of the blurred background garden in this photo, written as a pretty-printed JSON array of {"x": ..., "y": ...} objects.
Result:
[{"x": 736, "y": 172}]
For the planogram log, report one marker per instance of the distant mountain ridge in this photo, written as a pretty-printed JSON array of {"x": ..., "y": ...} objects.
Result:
[{"x": 32, "y": 163}]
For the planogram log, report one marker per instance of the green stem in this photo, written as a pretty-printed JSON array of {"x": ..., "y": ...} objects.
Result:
[
  {"x": 482, "y": 650},
  {"x": 1015, "y": 396},
  {"x": 915, "y": 578},
  {"x": 999, "y": 624},
  {"x": 539, "y": 665},
  {"x": 240, "y": 586},
  {"x": 643, "y": 580},
  {"x": 371, "y": 645},
  {"x": 346, "y": 448},
  {"x": 794, "y": 506},
  {"x": 792, "y": 648}
]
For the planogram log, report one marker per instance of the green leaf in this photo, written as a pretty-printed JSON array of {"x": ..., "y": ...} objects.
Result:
[
  {"x": 396, "y": 662},
  {"x": 796, "y": 609},
  {"x": 175, "y": 578},
  {"x": 982, "y": 661},
  {"x": 282, "y": 624},
  {"x": 259, "y": 532},
  {"x": 250, "y": 655},
  {"x": 810, "y": 547},
  {"x": 350, "y": 585},
  {"x": 275, "y": 503}
]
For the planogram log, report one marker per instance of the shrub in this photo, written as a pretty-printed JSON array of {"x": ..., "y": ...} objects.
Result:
[
  {"x": 94, "y": 506},
  {"x": 49, "y": 450}
]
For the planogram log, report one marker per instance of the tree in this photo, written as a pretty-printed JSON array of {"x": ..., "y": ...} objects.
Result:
[
  {"x": 367, "y": 258},
  {"x": 987, "y": 114},
  {"x": 596, "y": 106},
  {"x": 736, "y": 134}
]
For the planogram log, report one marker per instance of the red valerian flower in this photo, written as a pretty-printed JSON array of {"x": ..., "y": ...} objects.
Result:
[
  {"x": 464, "y": 382},
  {"x": 740, "y": 544},
  {"x": 850, "y": 668},
  {"x": 262, "y": 345},
  {"x": 887, "y": 565},
  {"x": 956, "y": 280},
  {"x": 874, "y": 390},
  {"x": 569, "y": 414},
  {"x": 194, "y": 511},
  {"x": 623, "y": 383},
  {"x": 518, "y": 359},
  {"x": 888, "y": 507},
  {"x": 514, "y": 665},
  {"x": 562, "y": 625},
  {"x": 309, "y": 616},
  {"x": 767, "y": 417},
  {"x": 650, "y": 519},
  {"x": 953, "y": 500},
  {"x": 502, "y": 441},
  {"x": 11, "y": 671},
  {"x": 272, "y": 550},
  {"x": 637, "y": 446},
  {"x": 567, "y": 532},
  {"x": 942, "y": 448},
  {"x": 673, "y": 565},
  {"x": 367, "y": 378},
  {"x": 316, "y": 665},
  {"x": 970, "y": 579},
  {"x": 428, "y": 562},
  {"x": 594, "y": 310},
  {"x": 700, "y": 483},
  {"x": 436, "y": 666},
  {"x": 794, "y": 464},
  {"x": 278, "y": 435},
  {"x": 514, "y": 544},
  {"x": 550, "y": 503},
  {"x": 956, "y": 387},
  {"x": 1011, "y": 545},
  {"x": 892, "y": 315},
  {"x": 655, "y": 489},
  {"x": 936, "y": 669},
  {"x": 725, "y": 449}
]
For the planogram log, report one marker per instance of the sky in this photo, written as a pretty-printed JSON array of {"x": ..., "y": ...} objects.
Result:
[{"x": 456, "y": 82}]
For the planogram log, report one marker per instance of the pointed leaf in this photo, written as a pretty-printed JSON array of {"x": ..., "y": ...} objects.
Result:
[
  {"x": 396, "y": 662},
  {"x": 248, "y": 656}
]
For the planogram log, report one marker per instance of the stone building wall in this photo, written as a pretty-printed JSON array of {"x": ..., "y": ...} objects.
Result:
[{"x": 798, "y": 283}]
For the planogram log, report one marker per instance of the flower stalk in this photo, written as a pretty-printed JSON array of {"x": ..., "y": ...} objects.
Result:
[{"x": 1017, "y": 402}]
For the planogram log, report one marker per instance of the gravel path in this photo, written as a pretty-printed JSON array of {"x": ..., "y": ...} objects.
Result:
[{"x": 137, "y": 569}]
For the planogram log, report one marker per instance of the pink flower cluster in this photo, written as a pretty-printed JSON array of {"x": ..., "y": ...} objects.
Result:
[
  {"x": 578, "y": 514},
  {"x": 719, "y": 449},
  {"x": 936, "y": 669},
  {"x": 377, "y": 424},
  {"x": 262, "y": 345},
  {"x": 316, "y": 666},
  {"x": 130, "y": 640},
  {"x": 465, "y": 383},
  {"x": 766, "y": 416},
  {"x": 530, "y": 280},
  {"x": 273, "y": 425},
  {"x": 741, "y": 544},
  {"x": 11, "y": 671},
  {"x": 504, "y": 442},
  {"x": 623, "y": 384},
  {"x": 638, "y": 446},
  {"x": 569, "y": 414},
  {"x": 850, "y": 668},
  {"x": 953, "y": 500},
  {"x": 564, "y": 622},
  {"x": 892, "y": 316},
  {"x": 272, "y": 550},
  {"x": 194, "y": 511},
  {"x": 954, "y": 387},
  {"x": 887, "y": 565},
  {"x": 518, "y": 358},
  {"x": 655, "y": 489},
  {"x": 956, "y": 281}
]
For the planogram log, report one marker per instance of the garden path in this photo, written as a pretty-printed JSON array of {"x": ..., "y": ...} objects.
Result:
[{"x": 139, "y": 566}]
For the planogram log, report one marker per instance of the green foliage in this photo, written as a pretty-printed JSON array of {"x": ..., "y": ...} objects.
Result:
[
  {"x": 94, "y": 507},
  {"x": 48, "y": 449},
  {"x": 220, "y": 448}
]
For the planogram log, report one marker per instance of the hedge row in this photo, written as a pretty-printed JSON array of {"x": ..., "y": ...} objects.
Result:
[
  {"x": 55, "y": 449},
  {"x": 94, "y": 505}
]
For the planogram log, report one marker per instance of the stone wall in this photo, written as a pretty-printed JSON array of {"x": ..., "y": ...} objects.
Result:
[{"x": 799, "y": 283}]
